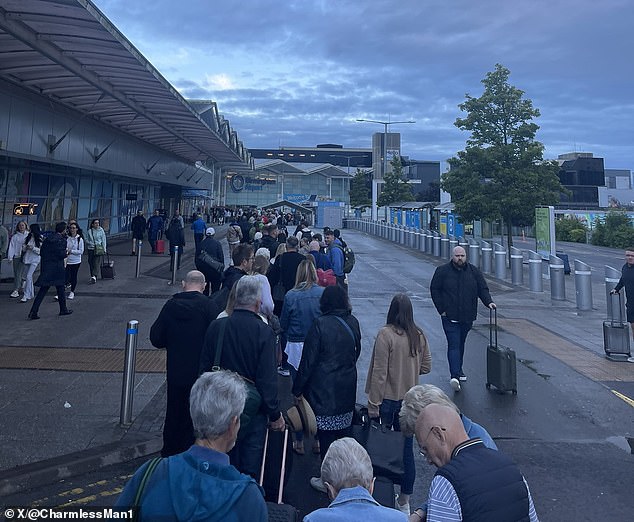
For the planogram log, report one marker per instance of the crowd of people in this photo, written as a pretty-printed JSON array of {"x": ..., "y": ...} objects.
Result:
[
  {"x": 233, "y": 330},
  {"x": 317, "y": 342}
]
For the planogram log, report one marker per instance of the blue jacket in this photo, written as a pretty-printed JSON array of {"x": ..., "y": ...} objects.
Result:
[
  {"x": 355, "y": 504},
  {"x": 321, "y": 260},
  {"x": 198, "y": 484},
  {"x": 336, "y": 257},
  {"x": 475, "y": 431},
  {"x": 300, "y": 309},
  {"x": 199, "y": 226}
]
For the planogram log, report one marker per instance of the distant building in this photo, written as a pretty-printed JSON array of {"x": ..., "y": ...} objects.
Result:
[{"x": 581, "y": 174}]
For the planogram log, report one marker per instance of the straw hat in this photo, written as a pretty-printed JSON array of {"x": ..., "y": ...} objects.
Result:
[{"x": 302, "y": 418}]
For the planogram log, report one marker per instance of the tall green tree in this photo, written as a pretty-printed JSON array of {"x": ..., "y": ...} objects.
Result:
[
  {"x": 501, "y": 173},
  {"x": 395, "y": 187},
  {"x": 361, "y": 188}
]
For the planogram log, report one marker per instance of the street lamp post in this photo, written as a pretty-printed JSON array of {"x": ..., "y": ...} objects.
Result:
[{"x": 374, "y": 180}]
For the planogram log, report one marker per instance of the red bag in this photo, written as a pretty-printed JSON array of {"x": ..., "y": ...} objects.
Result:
[
  {"x": 160, "y": 246},
  {"x": 326, "y": 277}
]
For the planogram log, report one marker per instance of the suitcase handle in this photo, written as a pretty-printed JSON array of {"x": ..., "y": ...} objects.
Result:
[
  {"x": 283, "y": 470},
  {"x": 493, "y": 313},
  {"x": 620, "y": 310}
]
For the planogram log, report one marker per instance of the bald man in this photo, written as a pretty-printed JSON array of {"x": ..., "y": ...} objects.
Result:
[
  {"x": 180, "y": 328},
  {"x": 455, "y": 289},
  {"x": 472, "y": 482}
]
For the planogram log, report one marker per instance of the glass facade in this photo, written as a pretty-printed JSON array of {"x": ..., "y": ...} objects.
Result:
[{"x": 57, "y": 193}]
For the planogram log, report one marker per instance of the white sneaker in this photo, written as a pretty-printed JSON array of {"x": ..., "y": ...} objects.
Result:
[
  {"x": 24, "y": 299},
  {"x": 403, "y": 508},
  {"x": 71, "y": 295},
  {"x": 56, "y": 298},
  {"x": 318, "y": 484},
  {"x": 93, "y": 280},
  {"x": 15, "y": 293},
  {"x": 463, "y": 378},
  {"x": 455, "y": 384}
]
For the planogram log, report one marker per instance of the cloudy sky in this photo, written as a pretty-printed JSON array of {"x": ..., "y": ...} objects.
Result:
[{"x": 300, "y": 72}]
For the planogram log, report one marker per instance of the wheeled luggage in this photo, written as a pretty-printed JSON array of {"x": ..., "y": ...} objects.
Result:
[
  {"x": 616, "y": 335},
  {"x": 278, "y": 512},
  {"x": 107, "y": 268},
  {"x": 160, "y": 246},
  {"x": 501, "y": 361}
]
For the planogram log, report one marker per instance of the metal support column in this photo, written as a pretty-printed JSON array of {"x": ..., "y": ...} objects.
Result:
[
  {"x": 500, "y": 261},
  {"x": 557, "y": 279},
  {"x": 474, "y": 253},
  {"x": 517, "y": 266},
  {"x": 487, "y": 252},
  {"x": 129, "y": 370},
  {"x": 583, "y": 285}
]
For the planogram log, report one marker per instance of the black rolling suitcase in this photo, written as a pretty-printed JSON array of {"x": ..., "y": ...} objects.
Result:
[
  {"x": 616, "y": 335},
  {"x": 278, "y": 512},
  {"x": 107, "y": 268},
  {"x": 501, "y": 361}
]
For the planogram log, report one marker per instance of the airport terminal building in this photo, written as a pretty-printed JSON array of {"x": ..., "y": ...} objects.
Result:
[{"x": 90, "y": 129}]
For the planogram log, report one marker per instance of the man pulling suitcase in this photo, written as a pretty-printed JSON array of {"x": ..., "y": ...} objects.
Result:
[{"x": 455, "y": 289}]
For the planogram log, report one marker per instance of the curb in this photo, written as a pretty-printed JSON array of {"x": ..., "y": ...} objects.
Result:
[{"x": 29, "y": 476}]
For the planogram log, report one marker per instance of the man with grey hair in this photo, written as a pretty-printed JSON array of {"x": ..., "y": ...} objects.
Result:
[
  {"x": 417, "y": 398},
  {"x": 180, "y": 328},
  {"x": 472, "y": 482},
  {"x": 248, "y": 348},
  {"x": 201, "y": 484},
  {"x": 348, "y": 477}
]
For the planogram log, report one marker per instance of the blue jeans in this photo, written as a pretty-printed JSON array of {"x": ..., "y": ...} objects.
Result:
[
  {"x": 456, "y": 334},
  {"x": 389, "y": 415}
]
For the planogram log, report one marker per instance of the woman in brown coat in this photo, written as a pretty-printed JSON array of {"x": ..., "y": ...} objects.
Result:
[{"x": 400, "y": 355}]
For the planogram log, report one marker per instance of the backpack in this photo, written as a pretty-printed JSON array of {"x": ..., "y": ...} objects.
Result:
[
  {"x": 307, "y": 234},
  {"x": 348, "y": 258}
]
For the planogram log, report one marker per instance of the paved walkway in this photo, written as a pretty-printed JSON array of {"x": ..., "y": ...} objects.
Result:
[{"x": 78, "y": 360}]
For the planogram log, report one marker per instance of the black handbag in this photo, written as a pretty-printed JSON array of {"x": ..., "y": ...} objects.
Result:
[
  {"x": 278, "y": 292},
  {"x": 254, "y": 399},
  {"x": 385, "y": 448}
]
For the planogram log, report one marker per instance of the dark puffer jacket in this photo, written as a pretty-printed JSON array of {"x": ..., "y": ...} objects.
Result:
[
  {"x": 327, "y": 375},
  {"x": 455, "y": 291},
  {"x": 53, "y": 252}
]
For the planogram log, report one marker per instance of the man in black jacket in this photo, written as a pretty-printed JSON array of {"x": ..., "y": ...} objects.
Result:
[
  {"x": 181, "y": 328},
  {"x": 455, "y": 289},
  {"x": 627, "y": 282},
  {"x": 269, "y": 239},
  {"x": 138, "y": 226},
  {"x": 212, "y": 247},
  {"x": 248, "y": 348}
]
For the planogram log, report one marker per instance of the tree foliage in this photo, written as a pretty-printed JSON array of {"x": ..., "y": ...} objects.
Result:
[
  {"x": 395, "y": 187},
  {"x": 361, "y": 188},
  {"x": 570, "y": 229},
  {"x": 501, "y": 173},
  {"x": 615, "y": 231}
]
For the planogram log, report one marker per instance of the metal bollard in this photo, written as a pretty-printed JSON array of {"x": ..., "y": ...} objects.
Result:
[
  {"x": 583, "y": 285},
  {"x": 517, "y": 266},
  {"x": 557, "y": 279},
  {"x": 535, "y": 280},
  {"x": 453, "y": 243},
  {"x": 176, "y": 253},
  {"x": 436, "y": 241},
  {"x": 464, "y": 244},
  {"x": 423, "y": 241},
  {"x": 401, "y": 235},
  {"x": 487, "y": 252},
  {"x": 429, "y": 243},
  {"x": 139, "y": 244},
  {"x": 420, "y": 236},
  {"x": 413, "y": 238},
  {"x": 500, "y": 261},
  {"x": 474, "y": 253},
  {"x": 129, "y": 369},
  {"x": 612, "y": 276},
  {"x": 444, "y": 246}
]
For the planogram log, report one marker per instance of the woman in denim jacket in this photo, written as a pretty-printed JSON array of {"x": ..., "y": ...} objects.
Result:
[{"x": 300, "y": 309}]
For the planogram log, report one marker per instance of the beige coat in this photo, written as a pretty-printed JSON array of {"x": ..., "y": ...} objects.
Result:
[{"x": 393, "y": 371}]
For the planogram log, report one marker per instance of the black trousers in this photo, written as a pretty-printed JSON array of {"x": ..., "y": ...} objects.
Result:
[
  {"x": 178, "y": 431},
  {"x": 246, "y": 455},
  {"x": 41, "y": 294},
  {"x": 327, "y": 437},
  {"x": 71, "y": 275}
]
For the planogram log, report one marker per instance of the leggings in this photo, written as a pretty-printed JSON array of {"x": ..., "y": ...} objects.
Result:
[{"x": 71, "y": 275}]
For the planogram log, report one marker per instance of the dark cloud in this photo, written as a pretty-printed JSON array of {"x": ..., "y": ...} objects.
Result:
[{"x": 317, "y": 65}]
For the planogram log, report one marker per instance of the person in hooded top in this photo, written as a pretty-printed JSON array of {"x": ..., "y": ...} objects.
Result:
[
  {"x": 200, "y": 483},
  {"x": 180, "y": 328}
]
